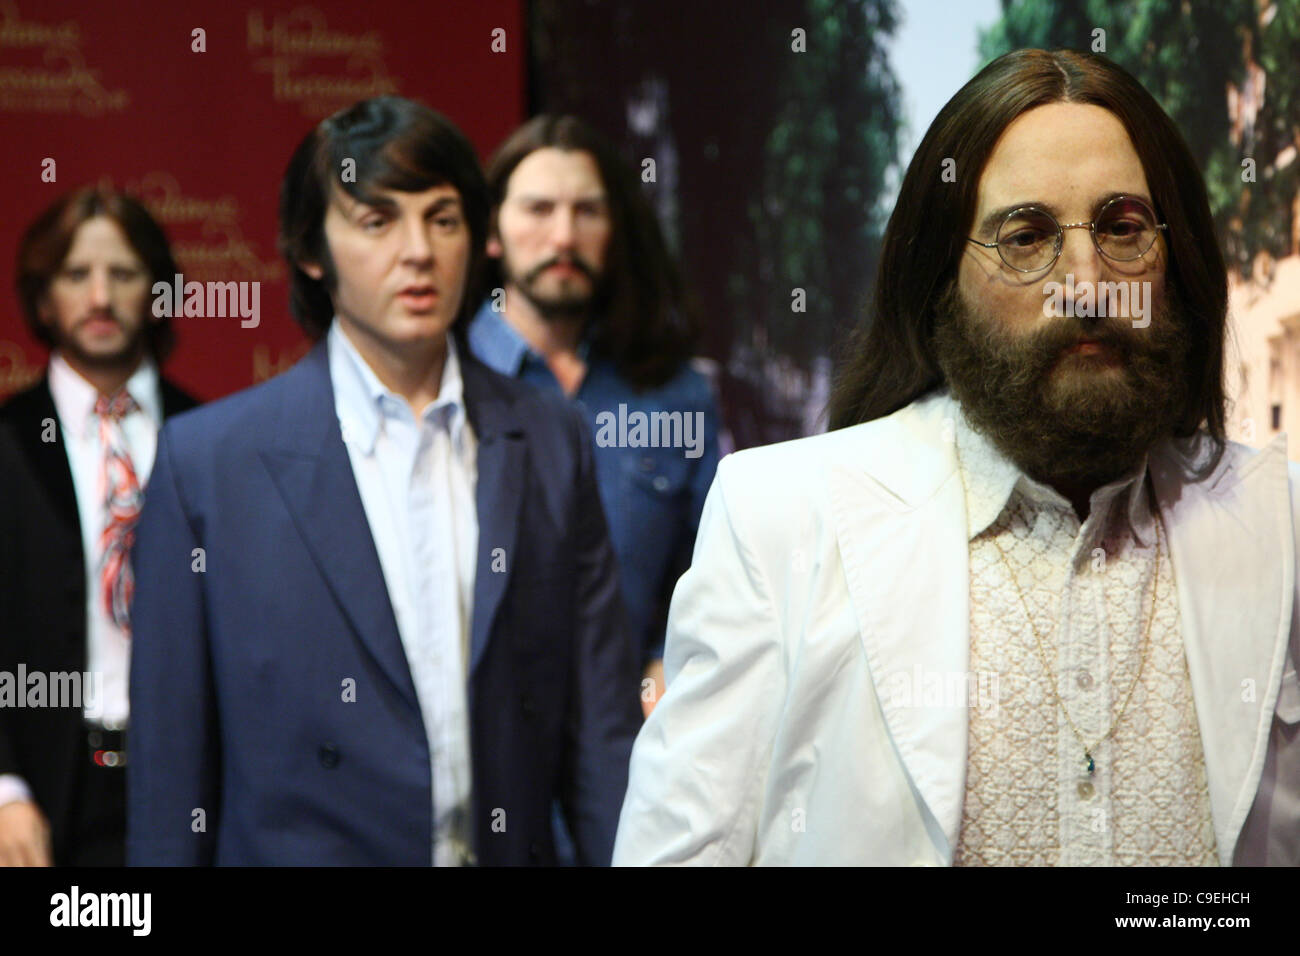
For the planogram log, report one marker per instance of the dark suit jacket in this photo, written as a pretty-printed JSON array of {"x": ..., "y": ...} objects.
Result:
[
  {"x": 237, "y": 671},
  {"x": 43, "y": 596}
]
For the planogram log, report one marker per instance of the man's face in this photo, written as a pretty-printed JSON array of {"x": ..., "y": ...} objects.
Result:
[
  {"x": 97, "y": 304},
  {"x": 400, "y": 261},
  {"x": 1058, "y": 407},
  {"x": 553, "y": 230}
]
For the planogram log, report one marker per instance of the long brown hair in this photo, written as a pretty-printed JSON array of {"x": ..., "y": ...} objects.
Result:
[
  {"x": 890, "y": 360},
  {"x": 644, "y": 325}
]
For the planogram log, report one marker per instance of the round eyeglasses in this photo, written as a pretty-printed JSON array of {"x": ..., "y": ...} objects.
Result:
[{"x": 1029, "y": 239}]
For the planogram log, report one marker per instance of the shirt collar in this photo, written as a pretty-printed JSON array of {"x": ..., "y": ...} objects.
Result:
[
  {"x": 990, "y": 479},
  {"x": 74, "y": 397},
  {"x": 495, "y": 341},
  {"x": 362, "y": 401},
  {"x": 500, "y": 347}
]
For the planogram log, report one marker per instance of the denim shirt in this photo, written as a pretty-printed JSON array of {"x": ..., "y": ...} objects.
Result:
[{"x": 652, "y": 496}]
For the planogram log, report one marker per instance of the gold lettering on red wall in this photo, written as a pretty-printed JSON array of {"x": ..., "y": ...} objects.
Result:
[
  {"x": 15, "y": 372},
  {"x": 205, "y": 233},
  {"x": 264, "y": 366},
  {"x": 43, "y": 69},
  {"x": 320, "y": 69}
]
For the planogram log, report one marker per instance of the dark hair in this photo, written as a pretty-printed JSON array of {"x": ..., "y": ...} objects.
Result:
[
  {"x": 644, "y": 323},
  {"x": 396, "y": 144},
  {"x": 45, "y": 245},
  {"x": 891, "y": 359}
]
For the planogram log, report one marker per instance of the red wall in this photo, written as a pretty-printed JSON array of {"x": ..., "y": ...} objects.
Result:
[{"x": 113, "y": 91}]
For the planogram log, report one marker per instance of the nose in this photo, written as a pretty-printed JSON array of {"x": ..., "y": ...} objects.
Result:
[
  {"x": 418, "y": 247},
  {"x": 563, "y": 228},
  {"x": 99, "y": 286},
  {"x": 1079, "y": 255}
]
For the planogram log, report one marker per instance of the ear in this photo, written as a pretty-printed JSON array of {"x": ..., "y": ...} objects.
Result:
[
  {"x": 312, "y": 269},
  {"x": 494, "y": 249}
]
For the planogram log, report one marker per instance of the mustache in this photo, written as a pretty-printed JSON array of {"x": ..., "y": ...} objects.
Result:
[
  {"x": 99, "y": 314},
  {"x": 567, "y": 260},
  {"x": 1116, "y": 332},
  {"x": 1039, "y": 350}
]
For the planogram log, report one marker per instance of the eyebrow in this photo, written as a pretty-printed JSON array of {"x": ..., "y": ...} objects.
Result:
[
  {"x": 385, "y": 204},
  {"x": 540, "y": 197},
  {"x": 989, "y": 222}
]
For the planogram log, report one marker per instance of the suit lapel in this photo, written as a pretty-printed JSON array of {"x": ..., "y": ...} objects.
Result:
[
  {"x": 1233, "y": 556},
  {"x": 897, "y": 511},
  {"x": 1233, "y": 559},
  {"x": 310, "y": 467},
  {"x": 499, "y": 492},
  {"x": 49, "y": 459}
]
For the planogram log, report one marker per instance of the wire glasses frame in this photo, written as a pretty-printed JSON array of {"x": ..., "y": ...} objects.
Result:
[{"x": 1022, "y": 234}]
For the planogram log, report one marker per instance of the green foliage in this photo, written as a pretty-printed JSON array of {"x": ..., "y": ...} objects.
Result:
[
  {"x": 818, "y": 218},
  {"x": 1187, "y": 54}
]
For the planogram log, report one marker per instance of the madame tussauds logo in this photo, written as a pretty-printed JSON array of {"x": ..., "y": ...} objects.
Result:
[
  {"x": 653, "y": 430},
  {"x": 209, "y": 299},
  {"x": 1098, "y": 299}
]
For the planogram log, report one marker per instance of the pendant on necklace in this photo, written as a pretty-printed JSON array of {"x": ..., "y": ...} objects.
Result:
[{"x": 1092, "y": 766}]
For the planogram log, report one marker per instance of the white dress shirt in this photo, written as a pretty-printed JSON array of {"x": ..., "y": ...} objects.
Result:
[
  {"x": 417, "y": 479},
  {"x": 1029, "y": 799},
  {"x": 108, "y": 650}
]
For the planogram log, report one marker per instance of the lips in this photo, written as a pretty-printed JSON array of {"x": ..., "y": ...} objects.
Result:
[
  {"x": 561, "y": 266},
  {"x": 1092, "y": 347},
  {"x": 418, "y": 298},
  {"x": 100, "y": 323}
]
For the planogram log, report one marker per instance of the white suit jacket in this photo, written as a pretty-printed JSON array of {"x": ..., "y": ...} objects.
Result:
[{"x": 824, "y": 565}]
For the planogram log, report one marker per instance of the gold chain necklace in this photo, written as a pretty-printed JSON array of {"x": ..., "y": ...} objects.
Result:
[{"x": 1042, "y": 654}]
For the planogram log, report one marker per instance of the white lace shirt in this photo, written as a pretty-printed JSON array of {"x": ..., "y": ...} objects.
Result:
[{"x": 1029, "y": 799}]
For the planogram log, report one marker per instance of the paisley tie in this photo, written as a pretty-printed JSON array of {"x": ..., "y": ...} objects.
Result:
[{"x": 122, "y": 499}]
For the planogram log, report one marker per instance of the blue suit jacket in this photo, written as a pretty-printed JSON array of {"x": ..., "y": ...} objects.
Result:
[{"x": 238, "y": 707}]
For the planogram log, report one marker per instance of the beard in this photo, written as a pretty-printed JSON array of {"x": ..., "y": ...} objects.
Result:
[
  {"x": 126, "y": 355},
  {"x": 1066, "y": 417},
  {"x": 564, "y": 305}
]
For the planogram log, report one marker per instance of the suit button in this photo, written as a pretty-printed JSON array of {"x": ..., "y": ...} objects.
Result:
[{"x": 329, "y": 756}]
